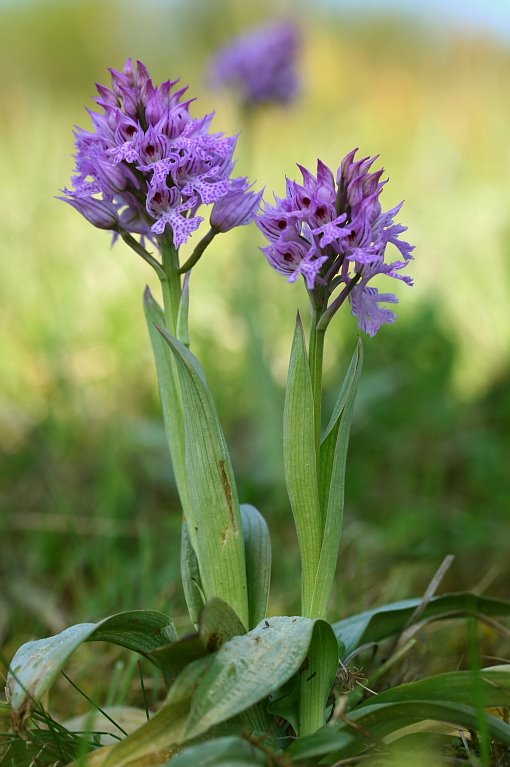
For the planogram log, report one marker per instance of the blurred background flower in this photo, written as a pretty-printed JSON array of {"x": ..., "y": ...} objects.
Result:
[
  {"x": 260, "y": 66},
  {"x": 85, "y": 479}
]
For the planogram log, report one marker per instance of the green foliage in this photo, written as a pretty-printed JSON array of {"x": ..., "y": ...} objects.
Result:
[
  {"x": 333, "y": 457},
  {"x": 222, "y": 752},
  {"x": 213, "y": 515},
  {"x": 257, "y": 552},
  {"x": 36, "y": 665},
  {"x": 300, "y": 463},
  {"x": 383, "y": 621}
]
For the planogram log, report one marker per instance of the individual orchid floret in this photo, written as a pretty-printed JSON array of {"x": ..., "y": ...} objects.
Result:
[
  {"x": 238, "y": 208},
  {"x": 148, "y": 167},
  {"x": 261, "y": 66},
  {"x": 100, "y": 213},
  {"x": 331, "y": 229}
]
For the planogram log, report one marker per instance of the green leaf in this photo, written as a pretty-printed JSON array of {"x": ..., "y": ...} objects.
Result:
[
  {"x": 317, "y": 677},
  {"x": 300, "y": 463},
  {"x": 170, "y": 395},
  {"x": 222, "y": 752},
  {"x": 37, "y": 664},
  {"x": 182, "y": 316},
  {"x": 491, "y": 684},
  {"x": 166, "y": 728},
  {"x": 364, "y": 725},
  {"x": 213, "y": 516},
  {"x": 217, "y": 624},
  {"x": 247, "y": 669},
  {"x": 190, "y": 575},
  {"x": 333, "y": 459},
  {"x": 381, "y": 622},
  {"x": 257, "y": 552},
  {"x": 285, "y": 703}
]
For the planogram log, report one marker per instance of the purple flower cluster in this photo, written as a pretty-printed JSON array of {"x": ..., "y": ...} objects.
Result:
[
  {"x": 335, "y": 234},
  {"x": 149, "y": 165},
  {"x": 261, "y": 65}
]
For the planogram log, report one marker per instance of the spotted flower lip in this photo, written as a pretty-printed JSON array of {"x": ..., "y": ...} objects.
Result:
[
  {"x": 148, "y": 166},
  {"x": 261, "y": 65},
  {"x": 331, "y": 229}
]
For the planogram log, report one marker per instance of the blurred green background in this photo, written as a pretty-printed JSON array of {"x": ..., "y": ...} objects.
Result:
[{"x": 89, "y": 519}]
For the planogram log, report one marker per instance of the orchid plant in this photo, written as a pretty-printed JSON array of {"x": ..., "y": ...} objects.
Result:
[{"x": 245, "y": 687}]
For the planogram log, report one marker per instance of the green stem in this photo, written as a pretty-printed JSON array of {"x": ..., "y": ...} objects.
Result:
[
  {"x": 170, "y": 283},
  {"x": 197, "y": 253},
  {"x": 140, "y": 250},
  {"x": 337, "y": 303}
]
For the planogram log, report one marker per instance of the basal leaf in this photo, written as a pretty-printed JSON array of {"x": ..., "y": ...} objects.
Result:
[
  {"x": 165, "y": 730},
  {"x": 213, "y": 516},
  {"x": 381, "y": 622},
  {"x": 257, "y": 551},
  {"x": 190, "y": 575},
  {"x": 222, "y": 752},
  {"x": 247, "y": 669},
  {"x": 317, "y": 676},
  {"x": 491, "y": 684},
  {"x": 300, "y": 463},
  {"x": 217, "y": 624},
  {"x": 36, "y": 664},
  {"x": 358, "y": 730}
]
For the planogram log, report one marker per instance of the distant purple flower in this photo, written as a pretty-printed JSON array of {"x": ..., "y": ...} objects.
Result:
[
  {"x": 261, "y": 65},
  {"x": 335, "y": 234},
  {"x": 147, "y": 165}
]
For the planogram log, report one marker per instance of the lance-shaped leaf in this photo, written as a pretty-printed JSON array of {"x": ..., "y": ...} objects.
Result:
[
  {"x": 166, "y": 728},
  {"x": 182, "y": 316},
  {"x": 222, "y": 752},
  {"x": 333, "y": 457},
  {"x": 317, "y": 677},
  {"x": 190, "y": 575},
  {"x": 213, "y": 516},
  {"x": 217, "y": 624},
  {"x": 36, "y": 664},
  {"x": 170, "y": 395},
  {"x": 247, "y": 669},
  {"x": 300, "y": 463},
  {"x": 492, "y": 685},
  {"x": 257, "y": 551},
  {"x": 381, "y": 622},
  {"x": 360, "y": 728}
]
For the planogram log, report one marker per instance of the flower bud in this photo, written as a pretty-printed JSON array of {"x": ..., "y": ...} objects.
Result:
[
  {"x": 237, "y": 208},
  {"x": 100, "y": 213}
]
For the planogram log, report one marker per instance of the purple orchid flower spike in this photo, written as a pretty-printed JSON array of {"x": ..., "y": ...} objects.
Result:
[
  {"x": 332, "y": 230},
  {"x": 261, "y": 66},
  {"x": 148, "y": 166}
]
